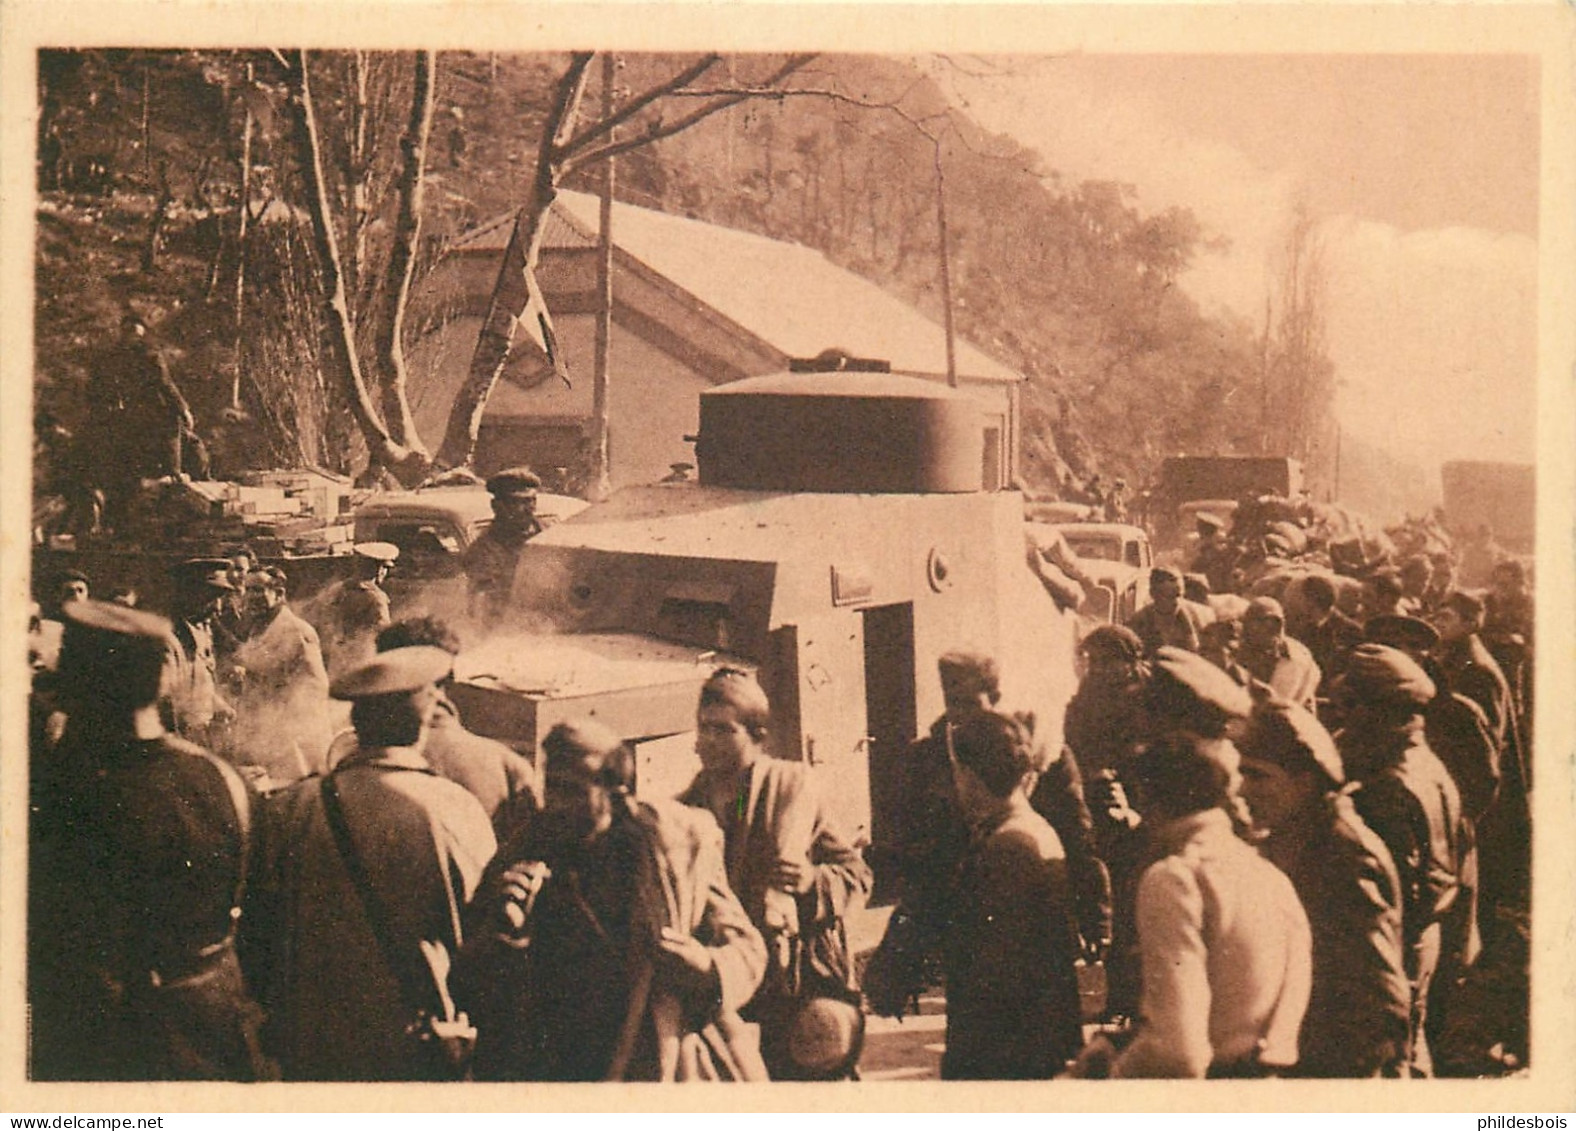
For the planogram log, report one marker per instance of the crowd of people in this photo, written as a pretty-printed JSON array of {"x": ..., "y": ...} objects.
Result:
[{"x": 1292, "y": 843}]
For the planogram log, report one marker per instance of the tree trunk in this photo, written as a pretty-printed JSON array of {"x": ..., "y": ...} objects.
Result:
[
  {"x": 343, "y": 360},
  {"x": 389, "y": 312},
  {"x": 515, "y": 288},
  {"x": 243, "y": 216},
  {"x": 598, "y": 484}
]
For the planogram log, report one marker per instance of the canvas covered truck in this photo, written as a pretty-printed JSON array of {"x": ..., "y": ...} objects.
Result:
[{"x": 1186, "y": 479}]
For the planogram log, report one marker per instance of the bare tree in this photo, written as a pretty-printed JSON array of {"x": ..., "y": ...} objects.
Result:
[
  {"x": 565, "y": 150},
  {"x": 343, "y": 355}
]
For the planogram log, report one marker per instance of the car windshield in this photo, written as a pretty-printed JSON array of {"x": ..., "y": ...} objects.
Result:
[{"x": 1097, "y": 548}]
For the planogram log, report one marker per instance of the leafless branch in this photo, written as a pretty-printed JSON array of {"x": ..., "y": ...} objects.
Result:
[
  {"x": 637, "y": 104},
  {"x": 723, "y": 99}
]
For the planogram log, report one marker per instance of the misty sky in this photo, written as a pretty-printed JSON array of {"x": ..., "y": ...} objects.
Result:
[{"x": 1424, "y": 170}]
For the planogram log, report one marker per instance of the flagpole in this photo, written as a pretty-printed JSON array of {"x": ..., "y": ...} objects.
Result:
[{"x": 599, "y": 485}]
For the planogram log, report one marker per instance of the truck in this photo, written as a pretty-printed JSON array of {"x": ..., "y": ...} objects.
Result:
[
  {"x": 1185, "y": 479},
  {"x": 1500, "y": 496},
  {"x": 839, "y": 538}
]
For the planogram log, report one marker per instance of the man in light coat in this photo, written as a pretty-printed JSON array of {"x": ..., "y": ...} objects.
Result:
[
  {"x": 795, "y": 873},
  {"x": 282, "y": 702}
]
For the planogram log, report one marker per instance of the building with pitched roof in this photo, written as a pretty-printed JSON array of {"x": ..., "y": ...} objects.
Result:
[{"x": 695, "y": 305}]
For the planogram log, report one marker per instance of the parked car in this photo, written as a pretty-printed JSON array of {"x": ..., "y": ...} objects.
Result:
[
  {"x": 434, "y": 526},
  {"x": 1118, "y": 558}
]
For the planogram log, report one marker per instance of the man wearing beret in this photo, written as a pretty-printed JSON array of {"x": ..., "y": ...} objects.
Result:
[
  {"x": 197, "y": 710},
  {"x": 1459, "y": 733},
  {"x": 489, "y": 561},
  {"x": 350, "y": 613},
  {"x": 1359, "y": 1011},
  {"x": 361, "y": 875},
  {"x": 1406, "y": 796},
  {"x": 1274, "y": 659},
  {"x": 1167, "y": 620},
  {"x": 604, "y": 942},
  {"x": 1208, "y": 895},
  {"x": 139, "y": 855}
]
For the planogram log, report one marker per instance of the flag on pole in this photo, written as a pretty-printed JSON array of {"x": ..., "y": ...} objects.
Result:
[{"x": 538, "y": 325}]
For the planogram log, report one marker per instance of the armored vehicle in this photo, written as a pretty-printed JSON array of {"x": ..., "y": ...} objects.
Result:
[{"x": 838, "y": 541}]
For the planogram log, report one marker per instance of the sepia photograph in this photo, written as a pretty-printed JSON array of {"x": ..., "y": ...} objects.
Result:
[{"x": 882, "y": 548}]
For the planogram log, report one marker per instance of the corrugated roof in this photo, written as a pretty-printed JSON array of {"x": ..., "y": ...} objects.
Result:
[{"x": 788, "y": 295}]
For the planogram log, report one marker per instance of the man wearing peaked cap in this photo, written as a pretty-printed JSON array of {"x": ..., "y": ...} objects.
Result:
[
  {"x": 353, "y": 912},
  {"x": 1358, "y": 1014},
  {"x": 354, "y": 610},
  {"x": 400, "y": 671},
  {"x": 1408, "y": 798},
  {"x": 505, "y": 782},
  {"x": 197, "y": 710},
  {"x": 490, "y": 561},
  {"x": 136, "y": 864}
]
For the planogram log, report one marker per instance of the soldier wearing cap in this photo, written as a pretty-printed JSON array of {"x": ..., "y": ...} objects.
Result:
[
  {"x": 502, "y": 780},
  {"x": 1280, "y": 662},
  {"x": 1458, "y": 732},
  {"x": 197, "y": 710},
  {"x": 354, "y": 912},
  {"x": 352, "y": 612},
  {"x": 1167, "y": 619},
  {"x": 605, "y": 938},
  {"x": 282, "y": 698},
  {"x": 139, "y": 849},
  {"x": 1406, "y": 796},
  {"x": 1293, "y": 781},
  {"x": 1224, "y": 941},
  {"x": 489, "y": 562}
]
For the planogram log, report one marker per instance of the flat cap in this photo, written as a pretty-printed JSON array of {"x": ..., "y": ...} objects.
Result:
[
  {"x": 1114, "y": 638},
  {"x": 1291, "y": 737},
  {"x": 212, "y": 572},
  {"x": 1386, "y": 677},
  {"x": 1190, "y": 693},
  {"x": 1406, "y": 633},
  {"x": 399, "y": 671},
  {"x": 514, "y": 481},
  {"x": 1210, "y": 522},
  {"x": 117, "y": 620},
  {"x": 1264, "y": 608},
  {"x": 1164, "y": 573},
  {"x": 377, "y": 551}
]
